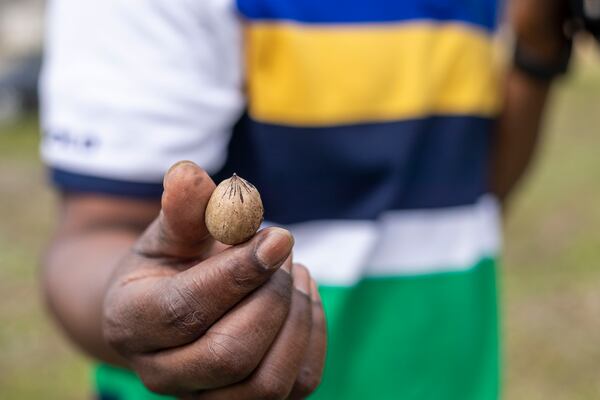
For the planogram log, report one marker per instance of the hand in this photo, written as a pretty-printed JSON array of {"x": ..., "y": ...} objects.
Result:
[
  {"x": 539, "y": 26},
  {"x": 200, "y": 320}
]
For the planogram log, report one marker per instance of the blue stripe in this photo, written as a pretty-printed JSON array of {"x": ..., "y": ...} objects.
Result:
[
  {"x": 360, "y": 171},
  {"x": 74, "y": 182},
  {"x": 483, "y": 13}
]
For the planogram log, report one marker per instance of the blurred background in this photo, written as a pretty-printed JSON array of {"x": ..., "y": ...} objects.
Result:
[
  {"x": 550, "y": 278},
  {"x": 21, "y": 28}
]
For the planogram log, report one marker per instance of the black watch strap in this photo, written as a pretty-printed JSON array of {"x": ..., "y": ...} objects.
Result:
[{"x": 539, "y": 70}]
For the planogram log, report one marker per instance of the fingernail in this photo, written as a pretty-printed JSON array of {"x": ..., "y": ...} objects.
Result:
[
  {"x": 274, "y": 248},
  {"x": 301, "y": 279},
  {"x": 287, "y": 264},
  {"x": 314, "y": 292},
  {"x": 174, "y": 167}
]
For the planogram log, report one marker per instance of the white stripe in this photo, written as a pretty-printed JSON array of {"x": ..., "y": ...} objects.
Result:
[
  {"x": 418, "y": 242},
  {"x": 336, "y": 252},
  {"x": 400, "y": 243}
]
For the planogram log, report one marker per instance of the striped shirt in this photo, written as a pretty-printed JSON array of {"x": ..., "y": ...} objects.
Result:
[{"x": 366, "y": 126}]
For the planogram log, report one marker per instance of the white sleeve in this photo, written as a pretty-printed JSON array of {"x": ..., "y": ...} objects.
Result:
[{"x": 131, "y": 86}]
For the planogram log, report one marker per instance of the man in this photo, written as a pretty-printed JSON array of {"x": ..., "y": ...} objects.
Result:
[{"x": 370, "y": 133}]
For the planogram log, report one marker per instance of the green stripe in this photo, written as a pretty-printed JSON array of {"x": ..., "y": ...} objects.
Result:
[
  {"x": 121, "y": 384},
  {"x": 424, "y": 337}
]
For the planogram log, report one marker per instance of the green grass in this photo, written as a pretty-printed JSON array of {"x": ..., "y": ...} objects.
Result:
[
  {"x": 550, "y": 278},
  {"x": 35, "y": 361}
]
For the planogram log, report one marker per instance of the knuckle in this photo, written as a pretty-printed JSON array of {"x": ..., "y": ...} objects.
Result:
[
  {"x": 280, "y": 285},
  {"x": 301, "y": 310},
  {"x": 114, "y": 329},
  {"x": 271, "y": 387},
  {"x": 242, "y": 273},
  {"x": 229, "y": 358},
  {"x": 183, "y": 312}
]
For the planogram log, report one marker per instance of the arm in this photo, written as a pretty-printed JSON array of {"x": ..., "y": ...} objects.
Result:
[
  {"x": 142, "y": 284},
  {"x": 94, "y": 232},
  {"x": 182, "y": 311},
  {"x": 538, "y": 28},
  {"x": 517, "y": 131}
]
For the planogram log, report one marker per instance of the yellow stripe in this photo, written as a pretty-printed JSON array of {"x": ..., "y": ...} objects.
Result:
[{"x": 314, "y": 75}]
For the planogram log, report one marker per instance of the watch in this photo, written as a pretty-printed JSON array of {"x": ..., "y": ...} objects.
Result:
[{"x": 542, "y": 70}]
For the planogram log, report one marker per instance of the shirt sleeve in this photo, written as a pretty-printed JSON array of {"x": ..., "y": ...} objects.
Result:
[{"x": 129, "y": 87}]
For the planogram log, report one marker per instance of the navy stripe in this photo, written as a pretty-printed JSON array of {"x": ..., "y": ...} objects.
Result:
[
  {"x": 74, "y": 182},
  {"x": 478, "y": 12},
  {"x": 360, "y": 171}
]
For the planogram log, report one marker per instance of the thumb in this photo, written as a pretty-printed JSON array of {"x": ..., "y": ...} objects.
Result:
[{"x": 180, "y": 231}]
